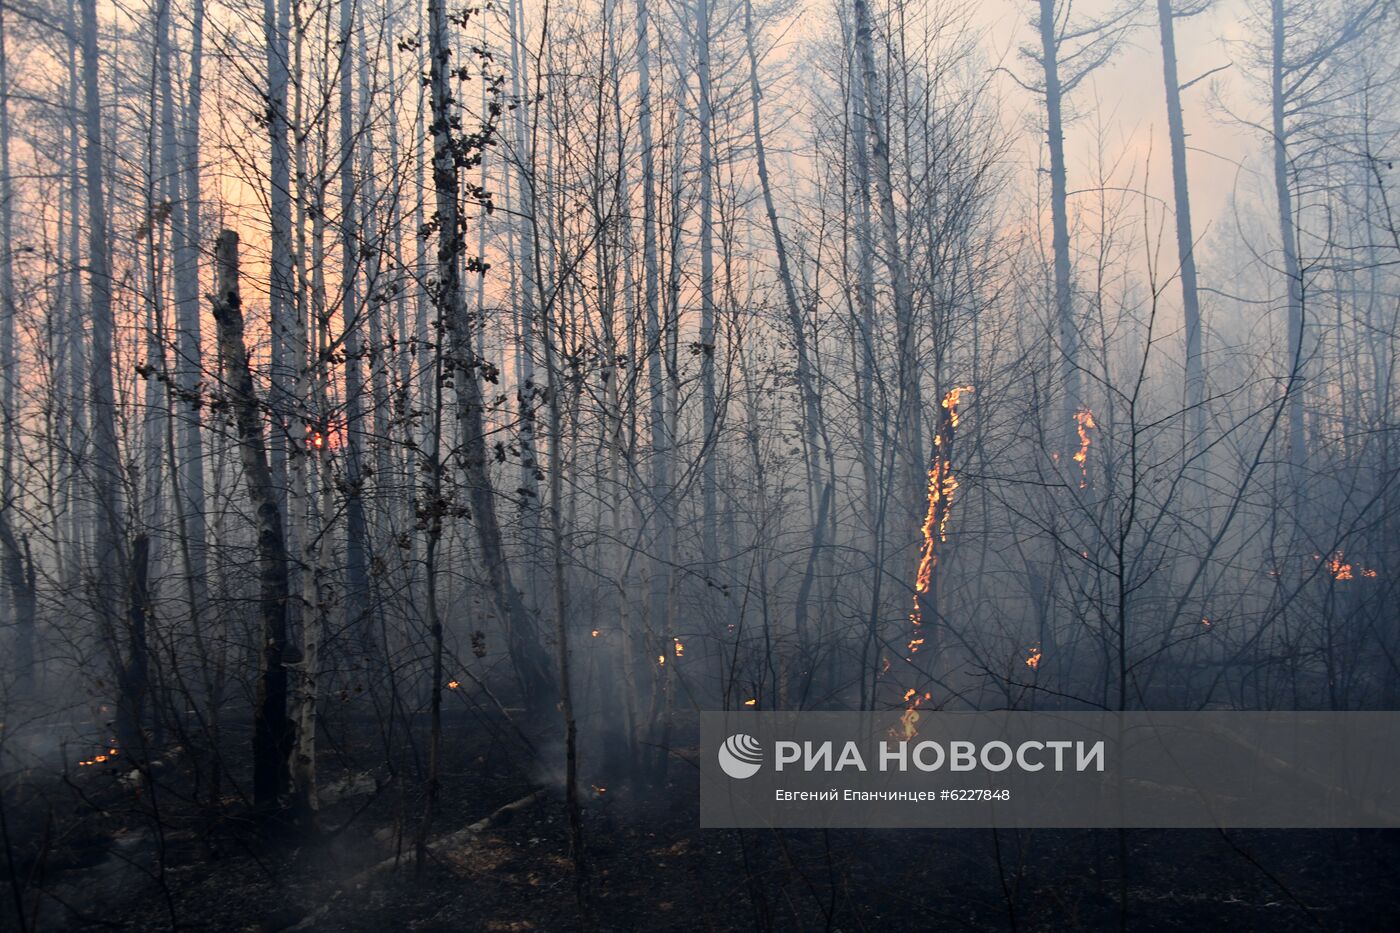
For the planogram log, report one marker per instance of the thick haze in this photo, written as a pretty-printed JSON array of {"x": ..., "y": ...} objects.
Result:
[{"x": 372, "y": 367}]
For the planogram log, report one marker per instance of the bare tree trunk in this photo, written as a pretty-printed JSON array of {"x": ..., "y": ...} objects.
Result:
[
  {"x": 276, "y": 29},
  {"x": 818, "y": 497},
  {"x": 20, "y": 582},
  {"x": 622, "y": 430},
  {"x": 1068, "y": 331},
  {"x": 314, "y": 454},
  {"x": 356, "y": 527},
  {"x": 909, "y": 419},
  {"x": 376, "y": 295},
  {"x": 309, "y": 465},
  {"x": 659, "y": 479},
  {"x": 431, "y": 513},
  {"x": 273, "y": 733},
  {"x": 561, "y": 611},
  {"x": 865, "y": 291},
  {"x": 108, "y": 544},
  {"x": 180, "y": 172},
  {"x": 526, "y": 262},
  {"x": 1292, "y": 271},
  {"x": 9, "y": 362},
  {"x": 76, "y": 386},
  {"x": 664, "y": 695},
  {"x": 528, "y": 655},
  {"x": 709, "y": 547},
  {"x": 157, "y": 191},
  {"x": 1185, "y": 241}
]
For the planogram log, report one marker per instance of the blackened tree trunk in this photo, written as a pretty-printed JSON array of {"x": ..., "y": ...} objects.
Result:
[
  {"x": 17, "y": 565},
  {"x": 272, "y": 730},
  {"x": 134, "y": 673}
]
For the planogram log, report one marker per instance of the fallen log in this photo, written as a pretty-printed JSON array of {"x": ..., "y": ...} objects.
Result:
[{"x": 446, "y": 842}]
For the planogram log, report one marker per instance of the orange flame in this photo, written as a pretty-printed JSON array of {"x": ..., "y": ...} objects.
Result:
[
  {"x": 1341, "y": 569},
  {"x": 942, "y": 485},
  {"x": 95, "y": 759},
  {"x": 1033, "y": 662},
  {"x": 1084, "y": 423},
  {"x": 321, "y": 437}
]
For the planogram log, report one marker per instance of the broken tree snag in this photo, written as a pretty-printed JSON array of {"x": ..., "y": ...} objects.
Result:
[{"x": 272, "y": 731}]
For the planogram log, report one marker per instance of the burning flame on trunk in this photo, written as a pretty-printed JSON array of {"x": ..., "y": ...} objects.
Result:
[
  {"x": 942, "y": 485},
  {"x": 1084, "y": 423},
  {"x": 908, "y": 721},
  {"x": 1033, "y": 662}
]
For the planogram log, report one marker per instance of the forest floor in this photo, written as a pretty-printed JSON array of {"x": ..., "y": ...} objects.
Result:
[{"x": 109, "y": 866}]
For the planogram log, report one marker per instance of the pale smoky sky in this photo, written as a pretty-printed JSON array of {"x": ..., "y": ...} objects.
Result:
[
  {"x": 1124, "y": 102},
  {"x": 1119, "y": 112}
]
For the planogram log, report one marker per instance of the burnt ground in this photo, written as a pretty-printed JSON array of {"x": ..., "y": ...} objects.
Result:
[{"x": 88, "y": 850}]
